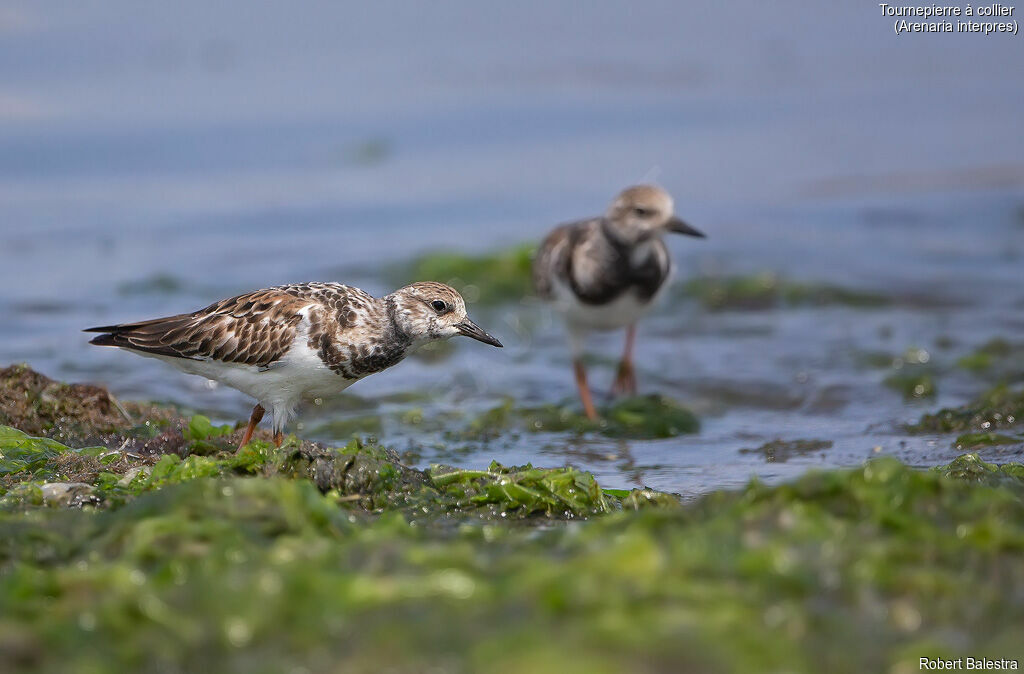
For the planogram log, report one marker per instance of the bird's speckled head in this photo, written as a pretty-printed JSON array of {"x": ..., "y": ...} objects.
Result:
[
  {"x": 428, "y": 311},
  {"x": 645, "y": 211}
]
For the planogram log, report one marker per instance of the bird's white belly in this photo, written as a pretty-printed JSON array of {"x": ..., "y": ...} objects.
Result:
[
  {"x": 300, "y": 374},
  {"x": 624, "y": 310}
]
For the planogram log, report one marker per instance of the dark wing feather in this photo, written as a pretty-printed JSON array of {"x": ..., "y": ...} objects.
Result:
[
  {"x": 552, "y": 261},
  {"x": 255, "y": 329}
]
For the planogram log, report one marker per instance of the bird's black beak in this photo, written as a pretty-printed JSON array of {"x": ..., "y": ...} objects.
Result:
[
  {"x": 471, "y": 329},
  {"x": 679, "y": 227}
]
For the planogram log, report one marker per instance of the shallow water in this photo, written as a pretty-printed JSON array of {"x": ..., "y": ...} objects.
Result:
[{"x": 151, "y": 163}]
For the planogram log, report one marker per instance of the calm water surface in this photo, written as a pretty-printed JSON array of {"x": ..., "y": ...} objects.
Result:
[{"x": 152, "y": 161}]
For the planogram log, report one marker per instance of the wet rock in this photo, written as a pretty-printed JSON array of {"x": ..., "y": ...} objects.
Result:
[
  {"x": 68, "y": 494},
  {"x": 781, "y": 450},
  {"x": 768, "y": 290},
  {"x": 129, "y": 475},
  {"x": 754, "y": 393},
  {"x": 373, "y": 476}
]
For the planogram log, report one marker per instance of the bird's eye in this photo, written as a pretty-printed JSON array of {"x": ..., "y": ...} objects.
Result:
[
  {"x": 439, "y": 306},
  {"x": 642, "y": 212}
]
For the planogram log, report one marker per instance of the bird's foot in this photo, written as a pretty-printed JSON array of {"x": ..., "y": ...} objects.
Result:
[
  {"x": 625, "y": 380},
  {"x": 254, "y": 418}
]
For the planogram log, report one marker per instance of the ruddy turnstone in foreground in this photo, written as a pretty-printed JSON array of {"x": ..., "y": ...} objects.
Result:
[
  {"x": 605, "y": 273},
  {"x": 285, "y": 343}
]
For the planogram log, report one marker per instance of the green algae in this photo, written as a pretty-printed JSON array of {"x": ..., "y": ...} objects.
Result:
[
  {"x": 201, "y": 429},
  {"x": 912, "y": 374},
  {"x": 997, "y": 358},
  {"x": 971, "y": 440},
  {"x": 25, "y": 457},
  {"x": 971, "y": 468},
  {"x": 21, "y": 453},
  {"x": 637, "y": 417},
  {"x": 193, "y": 557},
  {"x": 200, "y": 433},
  {"x": 523, "y": 490},
  {"x": 999, "y": 408},
  {"x": 638, "y": 499},
  {"x": 360, "y": 475},
  {"x": 649, "y": 416},
  {"x": 912, "y": 385},
  {"x": 768, "y": 290},
  {"x": 265, "y": 574},
  {"x": 491, "y": 278}
]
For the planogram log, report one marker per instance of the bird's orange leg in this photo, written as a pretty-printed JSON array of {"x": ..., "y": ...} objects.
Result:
[
  {"x": 625, "y": 377},
  {"x": 254, "y": 418},
  {"x": 581, "y": 383},
  {"x": 278, "y": 438}
]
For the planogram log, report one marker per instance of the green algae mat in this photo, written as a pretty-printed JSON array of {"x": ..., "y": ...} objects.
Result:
[
  {"x": 133, "y": 539},
  {"x": 343, "y": 560}
]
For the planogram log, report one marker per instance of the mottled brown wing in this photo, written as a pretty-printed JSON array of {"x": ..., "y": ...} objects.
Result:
[
  {"x": 552, "y": 261},
  {"x": 255, "y": 329}
]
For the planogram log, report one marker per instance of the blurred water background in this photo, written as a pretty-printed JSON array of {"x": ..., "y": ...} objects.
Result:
[{"x": 156, "y": 158}]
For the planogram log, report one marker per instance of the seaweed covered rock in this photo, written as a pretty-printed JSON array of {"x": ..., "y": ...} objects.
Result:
[
  {"x": 971, "y": 468},
  {"x": 999, "y": 408},
  {"x": 83, "y": 413},
  {"x": 43, "y": 472},
  {"x": 638, "y": 417},
  {"x": 41, "y": 406},
  {"x": 368, "y": 474}
]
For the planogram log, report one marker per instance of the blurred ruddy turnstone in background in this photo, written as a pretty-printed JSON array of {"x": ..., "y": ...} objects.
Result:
[
  {"x": 606, "y": 273},
  {"x": 282, "y": 344}
]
